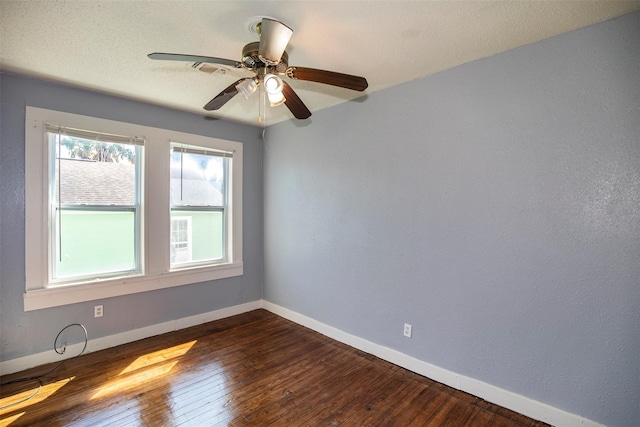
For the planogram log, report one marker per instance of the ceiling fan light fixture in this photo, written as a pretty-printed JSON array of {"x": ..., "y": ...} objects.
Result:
[
  {"x": 274, "y": 38},
  {"x": 247, "y": 87},
  {"x": 273, "y": 86},
  {"x": 277, "y": 99}
]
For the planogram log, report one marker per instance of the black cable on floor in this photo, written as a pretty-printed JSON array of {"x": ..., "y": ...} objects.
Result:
[{"x": 39, "y": 377}]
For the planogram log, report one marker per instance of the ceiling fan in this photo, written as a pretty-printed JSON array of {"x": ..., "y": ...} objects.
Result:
[{"x": 269, "y": 60}]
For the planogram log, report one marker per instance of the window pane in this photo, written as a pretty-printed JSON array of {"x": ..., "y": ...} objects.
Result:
[
  {"x": 94, "y": 173},
  {"x": 94, "y": 243},
  {"x": 204, "y": 242},
  {"x": 197, "y": 179}
]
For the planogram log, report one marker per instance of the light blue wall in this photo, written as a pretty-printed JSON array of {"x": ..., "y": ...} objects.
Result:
[
  {"x": 494, "y": 206},
  {"x": 33, "y": 332}
]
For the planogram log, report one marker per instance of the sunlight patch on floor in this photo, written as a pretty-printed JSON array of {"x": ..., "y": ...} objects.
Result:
[
  {"x": 21, "y": 400},
  {"x": 148, "y": 367},
  {"x": 8, "y": 420},
  {"x": 158, "y": 356}
]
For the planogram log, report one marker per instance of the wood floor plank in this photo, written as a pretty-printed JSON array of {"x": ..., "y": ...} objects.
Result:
[
  {"x": 296, "y": 404},
  {"x": 254, "y": 369},
  {"x": 243, "y": 396},
  {"x": 274, "y": 387},
  {"x": 375, "y": 408}
]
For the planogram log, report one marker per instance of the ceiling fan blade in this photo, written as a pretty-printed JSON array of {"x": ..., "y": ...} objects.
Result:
[
  {"x": 294, "y": 103},
  {"x": 223, "y": 97},
  {"x": 274, "y": 38},
  {"x": 193, "y": 58},
  {"x": 328, "y": 77}
]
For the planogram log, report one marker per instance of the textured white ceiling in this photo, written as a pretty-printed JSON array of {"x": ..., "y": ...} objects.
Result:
[{"x": 102, "y": 45}]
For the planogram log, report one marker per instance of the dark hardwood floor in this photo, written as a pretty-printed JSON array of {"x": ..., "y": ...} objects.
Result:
[{"x": 254, "y": 369}]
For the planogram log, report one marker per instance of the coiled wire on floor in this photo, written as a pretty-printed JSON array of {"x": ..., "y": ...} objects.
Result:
[{"x": 39, "y": 378}]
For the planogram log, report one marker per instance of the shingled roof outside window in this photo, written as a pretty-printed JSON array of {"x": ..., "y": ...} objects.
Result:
[{"x": 87, "y": 182}]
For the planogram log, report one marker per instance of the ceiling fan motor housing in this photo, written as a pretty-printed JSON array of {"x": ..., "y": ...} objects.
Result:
[{"x": 251, "y": 60}]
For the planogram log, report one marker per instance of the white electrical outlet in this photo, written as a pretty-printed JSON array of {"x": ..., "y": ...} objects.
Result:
[
  {"x": 98, "y": 311},
  {"x": 407, "y": 330}
]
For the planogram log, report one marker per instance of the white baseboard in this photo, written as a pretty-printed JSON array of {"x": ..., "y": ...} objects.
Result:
[
  {"x": 515, "y": 402},
  {"x": 31, "y": 361}
]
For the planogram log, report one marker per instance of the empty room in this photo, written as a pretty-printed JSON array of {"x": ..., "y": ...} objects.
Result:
[{"x": 320, "y": 213}]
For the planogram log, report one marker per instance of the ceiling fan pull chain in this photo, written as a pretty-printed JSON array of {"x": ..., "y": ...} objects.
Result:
[{"x": 261, "y": 107}]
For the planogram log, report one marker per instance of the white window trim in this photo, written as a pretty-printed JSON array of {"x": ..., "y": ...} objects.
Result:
[{"x": 156, "y": 213}]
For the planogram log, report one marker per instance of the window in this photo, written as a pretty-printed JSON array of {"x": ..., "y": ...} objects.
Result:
[
  {"x": 94, "y": 205},
  {"x": 199, "y": 195},
  {"x": 116, "y": 208}
]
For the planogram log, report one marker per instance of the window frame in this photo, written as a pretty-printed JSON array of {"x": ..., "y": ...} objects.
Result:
[
  {"x": 181, "y": 147},
  {"x": 155, "y": 213},
  {"x": 56, "y": 208}
]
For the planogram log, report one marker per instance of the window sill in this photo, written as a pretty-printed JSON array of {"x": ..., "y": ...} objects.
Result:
[{"x": 71, "y": 294}]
